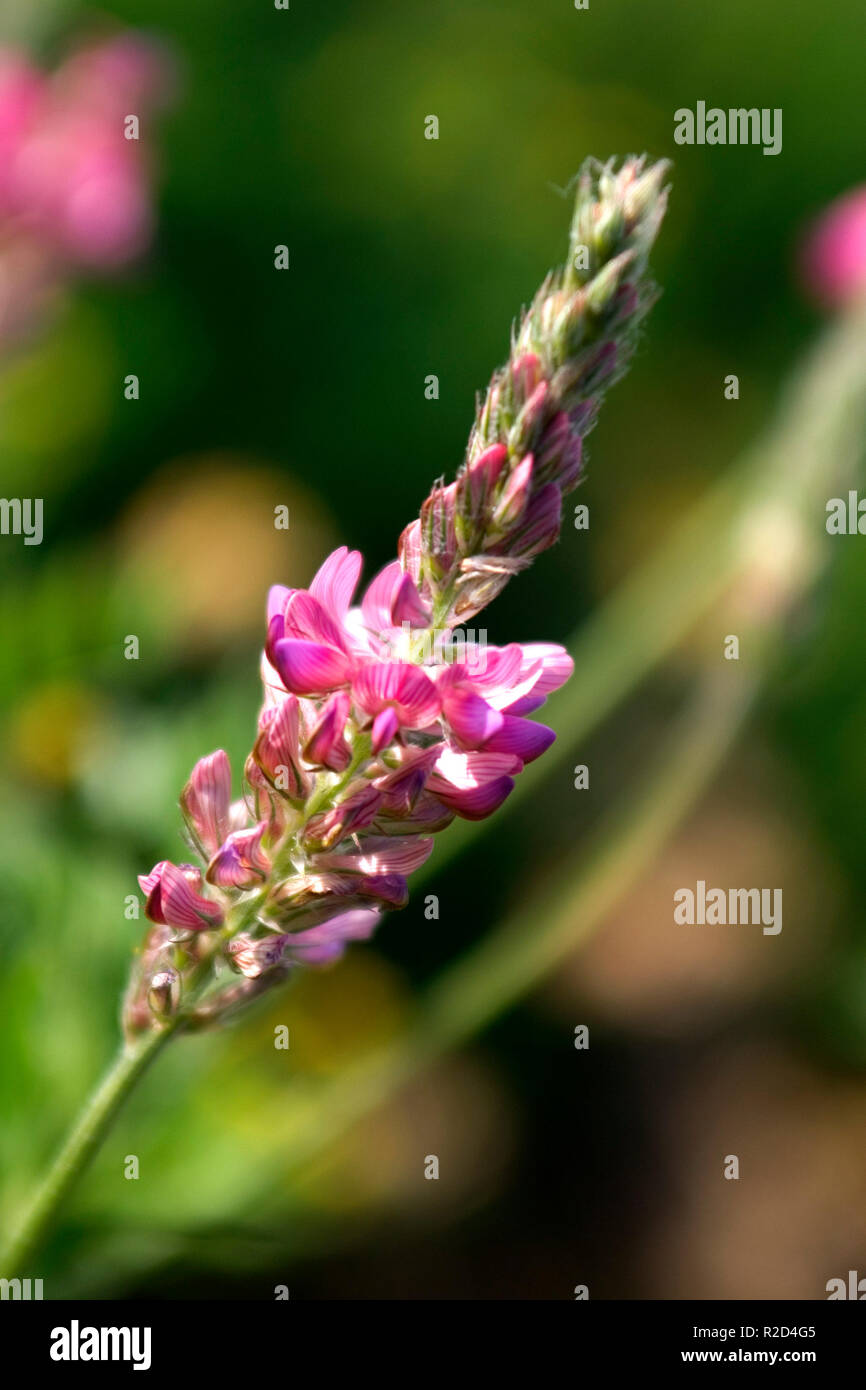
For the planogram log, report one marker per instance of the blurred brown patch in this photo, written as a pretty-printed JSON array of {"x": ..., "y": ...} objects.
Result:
[
  {"x": 200, "y": 545},
  {"x": 644, "y": 970},
  {"x": 796, "y": 1217}
]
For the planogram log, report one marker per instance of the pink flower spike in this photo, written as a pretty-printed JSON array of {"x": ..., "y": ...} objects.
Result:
[
  {"x": 172, "y": 900},
  {"x": 385, "y": 726},
  {"x": 206, "y": 798},
  {"x": 240, "y": 862},
  {"x": 522, "y": 737},
  {"x": 309, "y": 668},
  {"x": 400, "y": 685},
  {"x": 336, "y": 580},
  {"x": 326, "y": 744}
]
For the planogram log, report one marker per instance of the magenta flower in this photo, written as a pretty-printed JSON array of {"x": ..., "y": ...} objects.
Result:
[{"x": 382, "y": 719}]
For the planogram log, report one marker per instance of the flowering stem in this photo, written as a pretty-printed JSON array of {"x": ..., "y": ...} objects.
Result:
[
  {"x": 81, "y": 1145},
  {"x": 808, "y": 455}
]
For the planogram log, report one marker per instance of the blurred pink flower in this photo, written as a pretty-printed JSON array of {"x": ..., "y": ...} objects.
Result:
[
  {"x": 833, "y": 255},
  {"x": 75, "y": 190}
]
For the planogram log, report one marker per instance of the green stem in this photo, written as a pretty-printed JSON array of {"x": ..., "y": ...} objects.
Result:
[{"x": 81, "y": 1144}]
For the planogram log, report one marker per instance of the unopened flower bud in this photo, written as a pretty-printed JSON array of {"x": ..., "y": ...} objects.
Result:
[{"x": 163, "y": 995}]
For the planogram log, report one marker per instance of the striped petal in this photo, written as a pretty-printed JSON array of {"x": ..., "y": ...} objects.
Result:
[
  {"x": 336, "y": 580},
  {"x": 472, "y": 720},
  {"x": 206, "y": 798},
  {"x": 400, "y": 685},
  {"x": 172, "y": 899}
]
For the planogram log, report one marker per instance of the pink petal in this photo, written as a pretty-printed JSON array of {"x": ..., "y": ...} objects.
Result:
[
  {"x": 206, "y": 798},
  {"x": 326, "y": 744},
  {"x": 427, "y": 816},
  {"x": 276, "y": 632},
  {"x": 521, "y": 737},
  {"x": 359, "y": 809},
  {"x": 277, "y": 749},
  {"x": 171, "y": 899},
  {"x": 253, "y": 956},
  {"x": 240, "y": 862},
  {"x": 481, "y": 475},
  {"x": 378, "y": 599},
  {"x": 527, "y": 705},
  {"x": 473, "y": 769},
  {"x": 308, "y": 668},
  {"x": 407, "y": 607},
  {"x": 404, "y": 687},
  {"x": 515, "y": 495},
  {"x": 335, "y": 582},
  {"x": 309, "y": 621},
  {"x": 278, "y": 597},
  {"x": 540, "y": 525},
  {"x": 474, "y": 803},
  {"x": 385, "y": 726},
  {"x": 380, "y": 855},
  {"x": 402, "y": 787},
  {"x": 556, "y": 665},
  {"x": 472, "y": 720},
  {"x": 327, "y": 942}
]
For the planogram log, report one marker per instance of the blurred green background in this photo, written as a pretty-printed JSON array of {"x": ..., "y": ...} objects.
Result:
[{"x": 410, "y": 257}]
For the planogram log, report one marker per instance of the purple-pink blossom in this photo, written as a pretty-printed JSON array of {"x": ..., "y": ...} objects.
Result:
[{"x": 361, "y": 756}]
